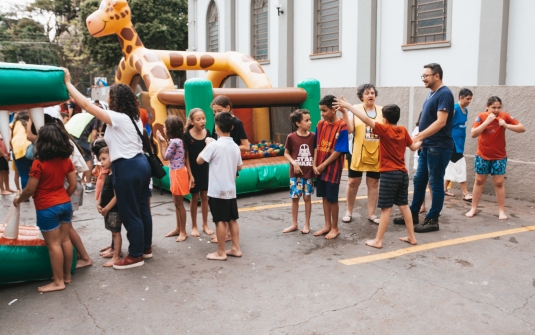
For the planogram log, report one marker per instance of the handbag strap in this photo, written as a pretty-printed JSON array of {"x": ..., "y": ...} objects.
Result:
[{"x": 143, "y": 142}]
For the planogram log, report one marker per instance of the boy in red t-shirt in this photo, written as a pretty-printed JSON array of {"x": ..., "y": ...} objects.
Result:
[
  {"x": 300, "y": 150},
  {"x": 491, "y": 157},
  {"x": 394, "y": 181}
]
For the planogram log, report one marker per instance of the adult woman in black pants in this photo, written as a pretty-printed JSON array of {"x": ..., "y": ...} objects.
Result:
[{"x": 130, "y": 168}]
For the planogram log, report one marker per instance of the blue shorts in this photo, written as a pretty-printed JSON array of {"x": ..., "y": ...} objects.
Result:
[
  {"x": 324, "y": 189},
  {"x": 492, "y": 167},
  {"x": 300, "y": 186},
  {"x": 51, "y": 218}
]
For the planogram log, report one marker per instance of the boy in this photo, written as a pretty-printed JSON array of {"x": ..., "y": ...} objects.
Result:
[
  {"x": 394, "y": 181},
  {"x": 225, "y": 160},
  {"x": 107, "y": 207},
  {"x": 331, "y": 144},
  {"x": 300, "y": 152}
]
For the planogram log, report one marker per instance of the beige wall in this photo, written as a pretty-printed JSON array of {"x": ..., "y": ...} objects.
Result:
[{"x": 517, "y": 100}]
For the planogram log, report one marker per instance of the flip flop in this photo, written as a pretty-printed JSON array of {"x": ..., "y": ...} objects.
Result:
[
  {"x": 449, "y": 194},
  {"x": 467, "y": 197},
  {"x": 347, "y": 218},
  {"x": 374, "y": 219}
]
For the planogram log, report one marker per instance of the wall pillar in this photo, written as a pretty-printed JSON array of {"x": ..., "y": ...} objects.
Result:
[
  {"x": 366, "y": 41},
  {"x": 285, "y": 43}
]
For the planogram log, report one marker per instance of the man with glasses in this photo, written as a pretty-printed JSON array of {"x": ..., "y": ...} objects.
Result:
[{"x": 437, "y": 147}]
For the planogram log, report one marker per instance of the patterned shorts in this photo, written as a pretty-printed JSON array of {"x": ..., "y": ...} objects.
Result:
[
  {"x": 492, "y": 167},
  {"x": 113, "y": 222},
  {"x": 300, "y": 186}
]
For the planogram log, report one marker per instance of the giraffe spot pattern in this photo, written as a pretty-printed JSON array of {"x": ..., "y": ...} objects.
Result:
[
  {"x": 123, "y": 15},
  {"x": 121, "y": 41},
  {"x": 117, "y": 17},
  {"x": 126, "y": 11},
  {"x": 119, "y": 74},
  {"x": 127, "y": 34},
  {"x": 159, "y": 72},
  {"x": 150, "y": 57},
  {"x": 138, "y": 41},
  {"x": 123, "y": 65},
  {"x": 176, "y": 59},
  {"x": 206, "y": 61},
  {"x": 111, "y": 17},
  {"x": 139, "y": 65},
  {"x": 146, "y": 79},
  {"x": 255, "y": 68},
  {"x": 128, "y": 49},
  {"x": 191, "y": 60}
]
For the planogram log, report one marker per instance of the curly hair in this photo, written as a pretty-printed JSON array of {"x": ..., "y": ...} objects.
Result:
[
  {"x": 297, "y": 116},
  {"x": 123, "y": 100},
  {"x": 362, "y": 88},
  {"x": 174, "y": 127},
  {"x": 52, "y": 143}
]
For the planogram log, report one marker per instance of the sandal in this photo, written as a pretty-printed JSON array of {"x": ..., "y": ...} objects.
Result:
[
  {"x": 374, "y": 219},
  {"x": 449, "y": 194},
  {"x": 467, "y": 197},
  {"x": 347, "y": 218}
]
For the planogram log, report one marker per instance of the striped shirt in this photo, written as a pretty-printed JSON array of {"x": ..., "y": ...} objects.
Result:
[{"x": 331, "y": 137}]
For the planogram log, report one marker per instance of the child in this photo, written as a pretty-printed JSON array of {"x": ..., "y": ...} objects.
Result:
[
  {"x": 225, "y": 160},
  {"x": 195, "y": 141},
  {"x": 331, "y": 145},
  {"x": 107, "y": 206},
  {"x": 52, "y": 202},
  {"x": 4, "y": 169},
  {"x": 177, "y": 156},
  {"x": 300, "y": 152},
  {"x": 491, "y": 157},
  {"x": 394, "y": 181}
]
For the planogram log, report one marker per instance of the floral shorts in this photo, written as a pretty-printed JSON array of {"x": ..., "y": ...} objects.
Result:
[
  {"x": 492, "y": 167},
  {"x": 300, "y": 186}
]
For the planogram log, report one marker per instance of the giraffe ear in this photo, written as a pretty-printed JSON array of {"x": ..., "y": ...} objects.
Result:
[{"x": 118, "y": 4}]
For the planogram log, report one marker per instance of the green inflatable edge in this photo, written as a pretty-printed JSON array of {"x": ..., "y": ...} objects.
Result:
[
  {"x": 26, "y": 263},
  {"x": 198, "y": 93},
  {"x": 312, "y": 87}
]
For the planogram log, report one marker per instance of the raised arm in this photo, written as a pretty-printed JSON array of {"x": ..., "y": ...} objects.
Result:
[
  {"x": 342, "y": 103},
  {"x": 82, "y": 101},
  {"x": 517, "y": 128},
  {"x": 476, "y": 131}
]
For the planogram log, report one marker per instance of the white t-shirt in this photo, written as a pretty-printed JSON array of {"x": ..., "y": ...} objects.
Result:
[
  {"x": 121, "y": 136},
  {"x": 224, "y": 158},
  {"x": 77, "y": 159}
]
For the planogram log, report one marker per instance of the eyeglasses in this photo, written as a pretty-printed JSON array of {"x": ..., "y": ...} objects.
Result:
[{"x": 425, "y": 76}]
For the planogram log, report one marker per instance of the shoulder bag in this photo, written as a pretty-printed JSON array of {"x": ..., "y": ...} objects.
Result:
[{"x": 156, "y": 167}]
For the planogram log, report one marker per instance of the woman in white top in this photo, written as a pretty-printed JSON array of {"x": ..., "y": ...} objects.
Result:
[{"x": 130, "y": 168}]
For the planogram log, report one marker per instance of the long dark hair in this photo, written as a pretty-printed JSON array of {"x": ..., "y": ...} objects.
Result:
[
  {"x": 223, "y": 101},
  {"x": 52, "y": 143},
  {"x": 52, "y": 120},
  {"x": 174, "y": 127},
  {"x": 123, "y": 100},
  {"x": 190, "y": 118},
  {"x": 23, "y": 117},
  {"x": 494, "y": 99}
]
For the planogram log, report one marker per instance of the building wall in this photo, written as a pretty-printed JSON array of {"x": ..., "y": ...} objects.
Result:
[{"x": 521, "y": 44}]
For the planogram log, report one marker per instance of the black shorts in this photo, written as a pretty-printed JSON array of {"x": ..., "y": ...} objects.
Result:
[
  {"x": 223, "y": 210},
  {"x": 113, "y": 222},
  {"x": 358, "y": 174},
  {"x": 393, "y": 189},
  {"x": 324, "y": 189},
  {"x": 4, "y": 166}
]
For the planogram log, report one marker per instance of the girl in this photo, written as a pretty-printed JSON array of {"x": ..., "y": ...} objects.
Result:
[
  {"x": 4, "y": 169},
  {"x": 176, "y": 155},
  {"x": 19, "y": 145},
  {"x": 194, "y": 141},
  {"x": 491, "y": 157},
  {"x": 52, "y": 202}
]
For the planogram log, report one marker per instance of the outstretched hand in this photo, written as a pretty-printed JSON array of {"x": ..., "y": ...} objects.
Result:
[
  {"x": 159, "y": 136},
  {"x": 341, "y": 103},
  {"x": 67, "y": 78}
]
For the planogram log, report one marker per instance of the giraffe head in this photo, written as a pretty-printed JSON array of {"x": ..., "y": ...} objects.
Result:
[{"x": 110, "y": 18}]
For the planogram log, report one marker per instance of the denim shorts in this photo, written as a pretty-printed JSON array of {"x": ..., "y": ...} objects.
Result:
[
  {"x": 492, "y": 167},
  {"x": 300, "y": 186},
  {"x": 51, "y": 218}
]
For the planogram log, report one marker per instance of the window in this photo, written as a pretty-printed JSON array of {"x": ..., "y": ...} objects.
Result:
[
  {"x": 212, "y": 28},
  {"x": 428, "y": 21},
  {"x": 327, "y": 26},
  {"x": 260, "y": 30}
]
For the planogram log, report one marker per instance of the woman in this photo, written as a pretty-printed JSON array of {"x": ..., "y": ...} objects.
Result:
[
  {"x": 19, "y": 145},
  {"x": 365, "y": 154},
  {"x": 130, "y": 168}
]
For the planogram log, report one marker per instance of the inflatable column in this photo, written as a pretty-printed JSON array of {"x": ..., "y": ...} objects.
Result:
[
  {"x": 198, "y": 93},
  {"x": 38, "y": 117},
  {"x": 4, "y": 128},
  {"x": 12, "y": 223},
  {"x": 312, "y": 87}
]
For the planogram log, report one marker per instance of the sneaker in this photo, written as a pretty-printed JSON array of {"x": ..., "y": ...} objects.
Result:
[
  {"x": 89, "y": 189},
  {"x": 429, "y": 225},
  {"x": 147, "y": 253},
  {"x": 128, "y": 262},
  {"x": 401, "y": 220}
]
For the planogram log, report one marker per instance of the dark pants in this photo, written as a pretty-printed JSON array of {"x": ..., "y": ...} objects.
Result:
[
  {"x": 23, "y": 165},
  {"x": 131, "y": 179},
  {"x": 432, "y": 165}
]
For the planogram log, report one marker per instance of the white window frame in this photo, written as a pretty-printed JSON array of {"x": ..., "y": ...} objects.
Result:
[
  {"x": 211, "y": 5},
  {"x": 253, "y": 33},
  {"x": 315, "y": 54},
  {"x": 407, "y": 32}
]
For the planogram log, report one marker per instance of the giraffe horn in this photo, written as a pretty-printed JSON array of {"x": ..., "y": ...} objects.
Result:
[{"x": 118, "y": 4}]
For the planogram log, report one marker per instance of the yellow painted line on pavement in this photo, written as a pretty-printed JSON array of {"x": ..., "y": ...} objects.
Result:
[{"x": 434, "y": 245}]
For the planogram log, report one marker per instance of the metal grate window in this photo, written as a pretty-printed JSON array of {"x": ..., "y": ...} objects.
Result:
[
  {"x": 428, "y": 21},
  {"x": 260, "y": 29},
  {"x": 328, "y": 26},
  {"x": 213, "y": 28}
]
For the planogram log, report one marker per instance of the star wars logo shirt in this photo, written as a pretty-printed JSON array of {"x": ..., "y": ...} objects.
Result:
[{"x": 301, "y": 149}]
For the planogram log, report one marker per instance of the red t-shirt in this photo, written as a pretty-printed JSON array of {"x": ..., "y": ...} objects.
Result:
[
  {"x": 301, "y": 148},
  {"x": 491, "y": 142},
  {"x": 51, "y": 174},
  {"x": 392, "y": 144}
]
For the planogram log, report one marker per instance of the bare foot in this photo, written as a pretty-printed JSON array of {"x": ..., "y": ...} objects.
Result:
[
  {"x": 290, "y": 229},
  {"x": 332, "y": 234},
  {"x": 216, "y": 257},
  {"x": 10, "y": 190},
  {"x": 105, "y": 248},
  {"x": 110, "y": 263},
  {"x": 107, "y": 254},
  {"x": 195, "y": 232},
  {"x": 213, "y": 238},
  {"x": 182, "y": 237},
  {"x": 233, "y": 253},
  {"x": 422, "y": 209},
  {"x": 408, "y": 240},
  {"x": 471, "y": 213},
  {"x": 67, "y": 279},
  {"x": 502, "y": 216},
  {"x": 5, "y": 193},
  {"x": 207, "y": 230},
  {"x": 53, "y": 286},
  {"x": 306, "y": 229},
  {"x": 374, "y": 244},
  {"x": 82, "y": 263},
  {"x": 173, "y": 233},
  {"x": 324, "y": 231}
]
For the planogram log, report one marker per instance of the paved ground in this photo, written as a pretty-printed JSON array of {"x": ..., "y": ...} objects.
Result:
[{"x": 292, "y": 283}]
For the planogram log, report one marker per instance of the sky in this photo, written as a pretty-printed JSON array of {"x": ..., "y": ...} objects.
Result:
[{"x": 4, "y": 4}]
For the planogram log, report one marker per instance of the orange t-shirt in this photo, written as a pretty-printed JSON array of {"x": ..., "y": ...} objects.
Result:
[
  {"x": 392, "y": 144},
  {"x": 491, "y": 142},
  {"x": 51, "y": 174},
  {"x": 144, "y": 116}
]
